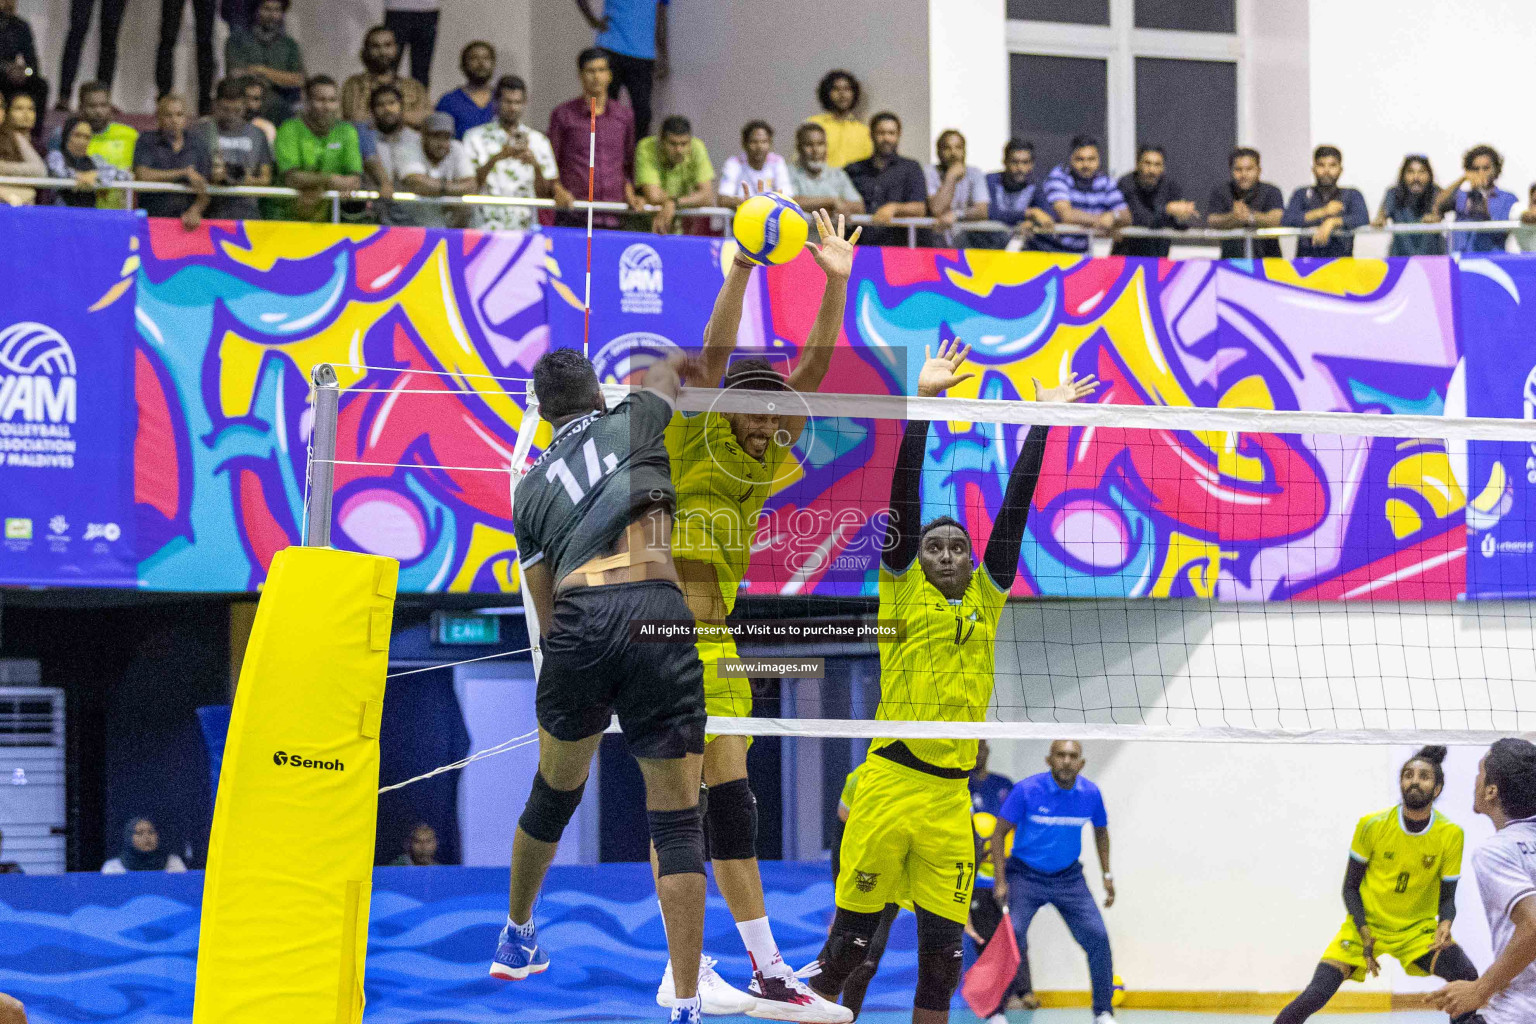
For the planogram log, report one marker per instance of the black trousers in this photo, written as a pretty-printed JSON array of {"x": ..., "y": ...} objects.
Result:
[
  {"x": 636, "y": 75},
  {"x": 80, "y": 12},
  {"x": 165, "y": 56},
  {"x": 418, "y": 31}
]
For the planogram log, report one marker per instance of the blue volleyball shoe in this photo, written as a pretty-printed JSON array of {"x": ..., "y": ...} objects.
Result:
[{"x": 517, "y": 956}]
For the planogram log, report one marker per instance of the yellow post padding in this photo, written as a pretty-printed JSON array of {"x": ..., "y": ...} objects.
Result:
[{"x": 290, "y": 861}]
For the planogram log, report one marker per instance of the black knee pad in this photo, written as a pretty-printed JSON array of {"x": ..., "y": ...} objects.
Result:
[
  {"x": 679, "y": 840},
  {"x": 731, "y": 820},
  {"x": 845, "y": 950},
  {"x": 938, "y": 960},
  {"x": 549, "y": 810}
]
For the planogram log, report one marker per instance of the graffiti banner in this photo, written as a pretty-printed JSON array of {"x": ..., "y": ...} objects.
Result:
[{"x": 66, "y": 405}]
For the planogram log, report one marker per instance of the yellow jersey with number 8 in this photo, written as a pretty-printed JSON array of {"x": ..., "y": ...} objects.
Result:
[{"x": 1403, "y": 869}]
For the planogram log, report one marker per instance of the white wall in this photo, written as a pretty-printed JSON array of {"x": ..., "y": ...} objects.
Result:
[
  {"x": 1277, "y": 114},
  {"x": 968, "y": 74}
]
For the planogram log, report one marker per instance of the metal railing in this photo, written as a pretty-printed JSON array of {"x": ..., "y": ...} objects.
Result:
[{"x": 1188, "y": 236}]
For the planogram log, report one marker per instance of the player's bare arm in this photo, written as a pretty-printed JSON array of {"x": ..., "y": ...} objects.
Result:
[
  {"x": 835, "y": 258},
  {"x": 1463, "y": 997}
]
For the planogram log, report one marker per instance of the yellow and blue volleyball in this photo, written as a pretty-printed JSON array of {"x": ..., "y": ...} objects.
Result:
[
  {"x": 1118, "y": 998},
  {"x": 770, "y": 228}
]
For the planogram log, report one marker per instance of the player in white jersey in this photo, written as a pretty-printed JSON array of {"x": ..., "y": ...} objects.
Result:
[{"x": 1506, "y": 877}]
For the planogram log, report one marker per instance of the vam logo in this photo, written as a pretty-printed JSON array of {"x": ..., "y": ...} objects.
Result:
[
  {"x": 640, "y": 281},
  {"x": 37, "y": 375}
]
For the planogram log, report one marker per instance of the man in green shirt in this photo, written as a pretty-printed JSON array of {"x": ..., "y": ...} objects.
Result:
[
  {"x": 110, "y": 140},
  {"x": 673, "y": 171},
  {"x": 266, "y": 51},
  {"x": 317, "y": 151}
]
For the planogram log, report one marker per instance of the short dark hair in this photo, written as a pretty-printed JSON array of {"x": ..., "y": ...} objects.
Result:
[
  {"x": 884, "y": 115},
  {"x": 1483, "y": 150},
  {"x": 232, "y": 88},
  {"x": 934, "y": 524},
  {"x": 831, "y": 78},
  {"x": 375, "y": 30},
  {"x": 675, "y": 124},
  {"x": 589, "y": 55},
  {"x": 1434, "y": 757},
  {"x": 564, "y": 382},
  {"x": 314, "y": 82},
  {"x": 1511, "y": 765},
  {"x": 754, "y": 373},
  {"x": 1322, "y": 151},
  {"x": 1083, "y": 142},
  {"x": 1017, "y": 145},
  {"x": 90, "y": 89},
  {"x": 946, "y": 133},
  {"x": 464, "y": 53},
  {"x": 1240, "y": 152},
  {"x": 510, "y": 83},
  {"x": 1146, "y": 148},
  {"x": 811, "y": 126},
  {"x": 387, "y": 89},
  {"x": 285, "y": 3},
  {"x": 752, "y": 126}
]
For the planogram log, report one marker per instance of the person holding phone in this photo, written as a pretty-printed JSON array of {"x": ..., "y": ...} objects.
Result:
[{"x": 512, "y": 159}]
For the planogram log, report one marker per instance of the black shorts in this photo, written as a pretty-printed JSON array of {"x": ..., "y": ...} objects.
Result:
[{"x": 592, "y": 669}]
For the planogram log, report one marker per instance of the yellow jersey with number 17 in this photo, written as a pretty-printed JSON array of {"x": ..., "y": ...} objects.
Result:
[{"x": 1403, "y": 869}]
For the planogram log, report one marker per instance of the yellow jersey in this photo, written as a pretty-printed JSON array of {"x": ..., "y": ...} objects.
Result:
[
  {"x": 1403, "y": 870},
  {"x": 848, "y": 141},
  {"x": 942, "y": 667},
  {"x": 720, "y": 493}
]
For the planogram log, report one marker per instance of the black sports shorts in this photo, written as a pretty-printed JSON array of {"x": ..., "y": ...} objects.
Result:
[{"x": 593, "y": 669}]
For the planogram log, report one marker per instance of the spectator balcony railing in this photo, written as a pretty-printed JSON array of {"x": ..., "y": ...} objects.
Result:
[{"x": 1187, "y": 236}]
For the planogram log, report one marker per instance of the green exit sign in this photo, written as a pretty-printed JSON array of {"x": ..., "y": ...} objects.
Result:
[{"x": 467, "y": 629}]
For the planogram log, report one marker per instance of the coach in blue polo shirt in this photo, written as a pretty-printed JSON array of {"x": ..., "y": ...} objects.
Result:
[
  {"x": 1049, "y": 810},
  {"x": 1079, "y": 192}
]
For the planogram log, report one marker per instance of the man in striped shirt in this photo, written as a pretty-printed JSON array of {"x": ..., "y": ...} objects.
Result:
[{"x": 1079, "y": 192}]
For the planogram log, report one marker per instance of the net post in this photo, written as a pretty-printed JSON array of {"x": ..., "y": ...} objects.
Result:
[
  {"x": 322, "y": 457},
  {"x": 525, "y": 431}
]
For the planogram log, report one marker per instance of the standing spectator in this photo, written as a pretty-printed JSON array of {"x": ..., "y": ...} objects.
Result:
[
  {"x": 18, "y": 158},
  {"x": 513, "y": 160},
  {"x": 202, "y": 34},
  {"x": 673, "y": 171},
  {"x": 634, "y": 34},
  {"x": 266, "y": 51},
  {"x": 381, "y": 66},
  {"x": 73, "y": 159},
  {"x": 399, "y": 150},
  {"x": 446, "y": 170},
  {"x": 80, "y": 12},
  {"x": 170, "y": 154},
  {"x": 1475, "y": 196},
  {"x": 848, "y": 138},
  {"x": 241, "y": 152},
  {"x": 317, "y": 151},
  {"x": 420, "y": 849},
  {"x": 1412, "y": 201},
  {"x": 141, "y": 852},
  {"x": 1078, "y": 192},
  {"x": 255, "y": 102},
  {"x": 1013, "y": 197},
  {"x": 892, "y": 185},
  {"x": 756, "y": 165},
  {"x": 18, "y": 59},
  {"x": 569, "y": 127},
  {"x": 1330, "y": 211},
  {"x": 815, "y": 184},
  {"x": 1246, "y": 202},
  {"x": 414, "y": 23},
  {"x": 473, "y": 103},
  {"x": 956, "y": 190},
  {"x": 1155, "y": 201}
]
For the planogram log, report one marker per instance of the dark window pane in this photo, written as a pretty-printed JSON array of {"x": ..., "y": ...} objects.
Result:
[
  {"x": 1073, "y": 12},
  {"x": 1189, "y": 107},
  {"x": 1053, "y": 99},
  {"x": 1188, "y": 15}
]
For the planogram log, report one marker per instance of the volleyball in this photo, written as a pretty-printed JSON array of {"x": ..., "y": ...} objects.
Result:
[
  {"x": 1119, "y": 997},
  {"x": 770, "y": 228}
]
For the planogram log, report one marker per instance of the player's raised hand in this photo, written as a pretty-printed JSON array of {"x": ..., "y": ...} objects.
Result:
[
  {"x": 835, "y": 253},
  {"x": 1071, "y": 391},
  {"x": 942, "y": 372}
]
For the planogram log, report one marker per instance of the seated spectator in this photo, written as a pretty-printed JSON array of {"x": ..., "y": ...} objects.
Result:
[
  {"x": 1475, "y": 196},
  {"x": 445, "y": 170},
  {"x": 255, "y": 103},
  {"x": 1078, "y": 192},
  {"x": 74, "y": 159},
  {"x": 266, "y": 51},
  {"x": 757, "y": 167},
  {"x": 510, "y": 159},
  {"x": 1013, "y": 198},
  {"x": 956, "y": 190},
  {"x": 398, "y": 147},
  {"x": 317, "y": 152},
  {"x": 848, "y": 139},
  {"x": 18, "y": 158},
  {"x": 381, "y": 66},
  {"x": 1155, "y": 201},
  {"x": 1246, "y": 202},
  {"x": 1330, "y": 211},
  {"x": 891, "y": 185},
  {"x": 673, "y": 171},
  {"x": 1526, "y": 236},
  {"x": 420, "y": 849},
  {"x": 18, "y": 59},
  {"x": 10, "y": 867},
  {"x": 241, "y": 153},
  {"x": 110, "y": 140},
  {"x": 569, "y": 133},
  {"x": 815, "y": 184},
  {"x": 1412, "y": 201},
  {"x": 171, "y": 154},
  {"x": 473, "y": 103},
  {"x": 141, "y": 852},
  {"x": 634, "y": 34}
]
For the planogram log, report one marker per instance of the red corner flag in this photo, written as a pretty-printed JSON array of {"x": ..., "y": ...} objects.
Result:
[{"x": 987, "y": 982}]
